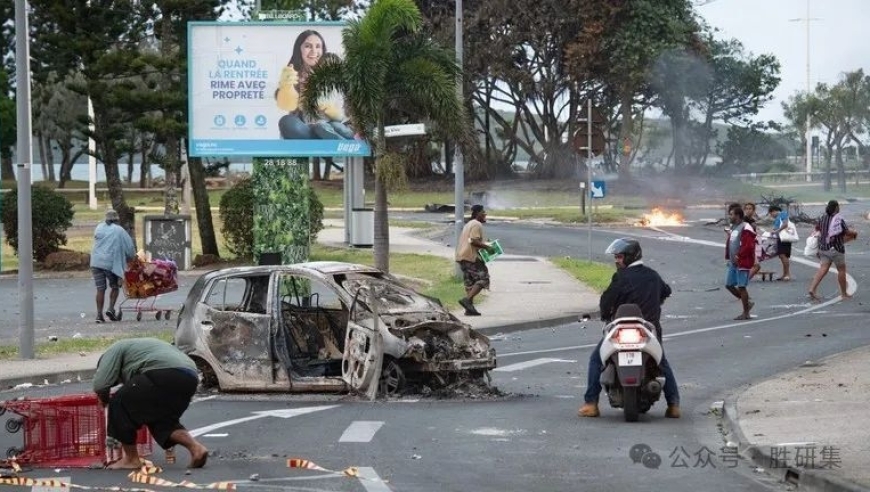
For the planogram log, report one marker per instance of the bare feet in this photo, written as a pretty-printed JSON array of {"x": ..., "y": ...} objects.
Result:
[
  {"x": 198, "y": 457},
  {"x": 813, "y": 297},
  {"x": 743, "y": 317},
  {"x": 845, "y": 297}
]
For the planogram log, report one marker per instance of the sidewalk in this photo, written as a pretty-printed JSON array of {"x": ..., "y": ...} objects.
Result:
[
  {"x": 526, "y": 293},
  {"x": 809, "y": 426}
]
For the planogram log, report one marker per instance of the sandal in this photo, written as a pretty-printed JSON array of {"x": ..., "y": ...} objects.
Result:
[
  {"x": 100, "y": 320},
  {"x": 783, "y": 279}
]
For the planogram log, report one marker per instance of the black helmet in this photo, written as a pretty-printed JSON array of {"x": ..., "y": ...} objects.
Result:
[{"x": 627, "y": 247}]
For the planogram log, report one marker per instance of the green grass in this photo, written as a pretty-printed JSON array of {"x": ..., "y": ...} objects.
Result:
[
  {"x": 435, "y": 272},
  {"x": 592, "y": 273},
  {"x": 76, "y": 345},
  {"x": 568, "y": 215}
]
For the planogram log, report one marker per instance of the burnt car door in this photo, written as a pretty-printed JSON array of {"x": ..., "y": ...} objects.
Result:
[
  {"x": 236, "y": 327},
  {"x": 363, "y": 347}
]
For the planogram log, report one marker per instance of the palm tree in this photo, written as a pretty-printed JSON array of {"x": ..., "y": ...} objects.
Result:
[{"x": 392, "y": 73}]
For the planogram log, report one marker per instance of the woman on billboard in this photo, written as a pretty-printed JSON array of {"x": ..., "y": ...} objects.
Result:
[{"x": 327, "y": 124}]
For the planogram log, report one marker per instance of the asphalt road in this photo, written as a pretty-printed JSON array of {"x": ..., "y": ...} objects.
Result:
[{"x": 531, "y": 439}]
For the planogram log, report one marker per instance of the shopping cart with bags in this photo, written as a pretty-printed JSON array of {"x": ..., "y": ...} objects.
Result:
[
  {"x": 144, "y": 282},
  {"x": 63, "y": 432}
]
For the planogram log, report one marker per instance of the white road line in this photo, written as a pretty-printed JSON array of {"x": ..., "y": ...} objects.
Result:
[
  {"x": 283, "y": 413},
  {"x": 371, "y": 481},
  {"x": 852, "y": 287},
  {"x": 529, "y": 363},
  {"x": 361, "y": 431}
]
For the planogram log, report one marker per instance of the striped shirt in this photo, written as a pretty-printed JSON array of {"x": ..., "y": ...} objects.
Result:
[{"x": 836, "y": 242}]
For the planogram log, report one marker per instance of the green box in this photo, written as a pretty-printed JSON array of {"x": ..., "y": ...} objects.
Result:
[{"x": 486, "y": 257}]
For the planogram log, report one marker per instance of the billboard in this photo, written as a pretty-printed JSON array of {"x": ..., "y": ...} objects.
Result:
[{"x": 244, "y": 81}]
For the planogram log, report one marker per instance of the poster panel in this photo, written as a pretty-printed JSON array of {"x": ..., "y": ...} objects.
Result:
[{"x": 244, "y": 80}]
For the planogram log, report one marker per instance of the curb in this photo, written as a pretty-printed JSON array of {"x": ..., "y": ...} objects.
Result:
[
  {"x": 803, "y": 478},
  {"x": 52, "y": 378},
  {"x": 531, "y": 324}
]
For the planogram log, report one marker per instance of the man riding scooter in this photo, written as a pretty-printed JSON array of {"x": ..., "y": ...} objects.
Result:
[{"x": 633, "y": 283}]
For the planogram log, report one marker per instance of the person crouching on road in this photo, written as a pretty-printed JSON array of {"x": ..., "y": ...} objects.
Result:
[
  {"x": 113, "y": 248},
  {"x": 159, "y": 382},
  {"x": 633, "y": 283},
  {"x": 740, "y": 255},
  {"x": 474, "y": 271}
]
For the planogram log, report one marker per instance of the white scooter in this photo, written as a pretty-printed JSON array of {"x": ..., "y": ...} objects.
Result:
[{"x": 631, "y": 354}]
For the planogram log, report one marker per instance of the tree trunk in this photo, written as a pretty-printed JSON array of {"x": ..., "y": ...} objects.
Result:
[
  {"x": 841, "y": 170},
  {"x": 382, "y": 225},
  {"x": 40, "y": 145},
  {"x": 328, "y": 170},
  {"x": 170, "y": 202},
  {"x": 828, "y": 169},
  {"x": 144, "y": 166},
  {"x": 203, "y": 208},
  {"x": 130, "y": 156},
  {"x": 66, "y": 163},
  {"x": 49, "y": 156},
  {"x": 625, "y": 131},
  {"x": 7, "y": 171},
  {"x": 315, "y": 166}
]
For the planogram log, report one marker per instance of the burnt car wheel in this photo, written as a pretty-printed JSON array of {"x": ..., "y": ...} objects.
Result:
[
  {"x": 392, "y": 379},
  {"x": 207, "y": 378}
]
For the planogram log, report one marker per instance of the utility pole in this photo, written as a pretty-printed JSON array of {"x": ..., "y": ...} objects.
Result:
[
  {"x": 24, "y": 151},
  {"x": 458, "y": 165},
  {"x": 809, "y": 127}
]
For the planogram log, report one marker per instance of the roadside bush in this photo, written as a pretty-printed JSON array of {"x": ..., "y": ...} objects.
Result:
[
  {"x": 52, "y": 215},
  {"x": 237, "y": 217}
]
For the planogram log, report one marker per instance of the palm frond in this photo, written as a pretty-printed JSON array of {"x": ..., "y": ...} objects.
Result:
[{"x": 327, "y": 77}]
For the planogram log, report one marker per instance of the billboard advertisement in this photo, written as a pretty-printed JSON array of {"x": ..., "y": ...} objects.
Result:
[{"x": 244, "y": 81}]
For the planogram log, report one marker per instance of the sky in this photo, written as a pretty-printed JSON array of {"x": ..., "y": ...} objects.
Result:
[{"x": 838, "y": 34}]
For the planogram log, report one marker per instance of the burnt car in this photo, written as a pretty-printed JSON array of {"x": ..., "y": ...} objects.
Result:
[{"x": 323, "y": 326}]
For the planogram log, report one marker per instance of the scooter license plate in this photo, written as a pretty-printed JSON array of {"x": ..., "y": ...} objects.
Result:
[{"x": 630, "y": 359}]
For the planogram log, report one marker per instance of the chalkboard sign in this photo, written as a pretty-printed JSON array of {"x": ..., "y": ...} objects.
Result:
[{"x": 167, "y": 237}]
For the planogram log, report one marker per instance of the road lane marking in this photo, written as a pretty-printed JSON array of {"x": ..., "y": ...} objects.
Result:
[
  {"x": 216, "y": 435},
  {"x": 519, "y": 366},
  {"x": 361, "y": 431},
  {"x": 284, "y": 414},
  {"x": 371, "y": 481}
]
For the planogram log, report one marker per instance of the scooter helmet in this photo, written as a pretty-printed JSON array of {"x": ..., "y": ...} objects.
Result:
[{"x": 627, "y": 247}]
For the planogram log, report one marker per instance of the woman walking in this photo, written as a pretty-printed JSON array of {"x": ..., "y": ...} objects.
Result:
[{"x": 833, "y": 234}]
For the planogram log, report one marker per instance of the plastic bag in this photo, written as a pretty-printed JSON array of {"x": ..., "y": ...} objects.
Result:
[
  {"x": 812, "y": 247},
  {"x": 789, "y": 234}
]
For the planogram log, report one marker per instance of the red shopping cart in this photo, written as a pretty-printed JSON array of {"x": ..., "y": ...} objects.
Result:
[
  {"x": 63, "y": 432},
  {"x": 144, "y": 282}
]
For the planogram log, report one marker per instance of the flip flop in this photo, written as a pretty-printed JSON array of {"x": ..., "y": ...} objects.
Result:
[
  {"x": 783, "y": 279},
  {"x": 99, "y": 321}
]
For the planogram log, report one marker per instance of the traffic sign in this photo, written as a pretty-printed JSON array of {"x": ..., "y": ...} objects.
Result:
[{"x": 598, "y": 189}]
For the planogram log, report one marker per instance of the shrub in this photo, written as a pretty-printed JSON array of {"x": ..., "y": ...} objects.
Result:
[
  {"x": 237, "y": 217},
  {"x": 51, "y": 214}
]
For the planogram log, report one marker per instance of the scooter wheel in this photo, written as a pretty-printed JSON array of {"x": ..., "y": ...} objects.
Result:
[
  {"x": 139, "y": 316},
  {"x": 158, "y": 315},
  {"x": 13, "y": 452},
  {"x": 14, "y": 425},
  {"x": 167, "y": 315}
]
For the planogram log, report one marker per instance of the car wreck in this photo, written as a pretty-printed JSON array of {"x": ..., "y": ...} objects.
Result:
[{"x": 324, "y": 327}]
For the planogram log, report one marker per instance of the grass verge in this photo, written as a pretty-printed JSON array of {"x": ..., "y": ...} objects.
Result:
[
  {"x": 77, "y": 345},
  {"x": 568, "y": 215},
  {"x": 592, "y": 273}
]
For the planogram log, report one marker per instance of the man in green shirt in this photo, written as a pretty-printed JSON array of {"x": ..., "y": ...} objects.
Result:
[{"x": 159, "y": 382}]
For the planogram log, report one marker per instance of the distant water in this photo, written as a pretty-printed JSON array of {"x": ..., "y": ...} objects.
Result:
[{"x": 80, "y": 171}]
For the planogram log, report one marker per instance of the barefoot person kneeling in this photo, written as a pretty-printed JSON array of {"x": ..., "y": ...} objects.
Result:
[{"x": 159, "y": 382}]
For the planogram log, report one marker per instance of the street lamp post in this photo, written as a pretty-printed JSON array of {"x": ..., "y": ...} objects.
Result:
[
  {"x": 808, "y": 131},
  {"x": 24, "y": 151},
  {"x": 458, "y": 165}
]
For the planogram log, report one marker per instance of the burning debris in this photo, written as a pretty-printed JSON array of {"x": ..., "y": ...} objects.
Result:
[{"x": 659, "y": 218}]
